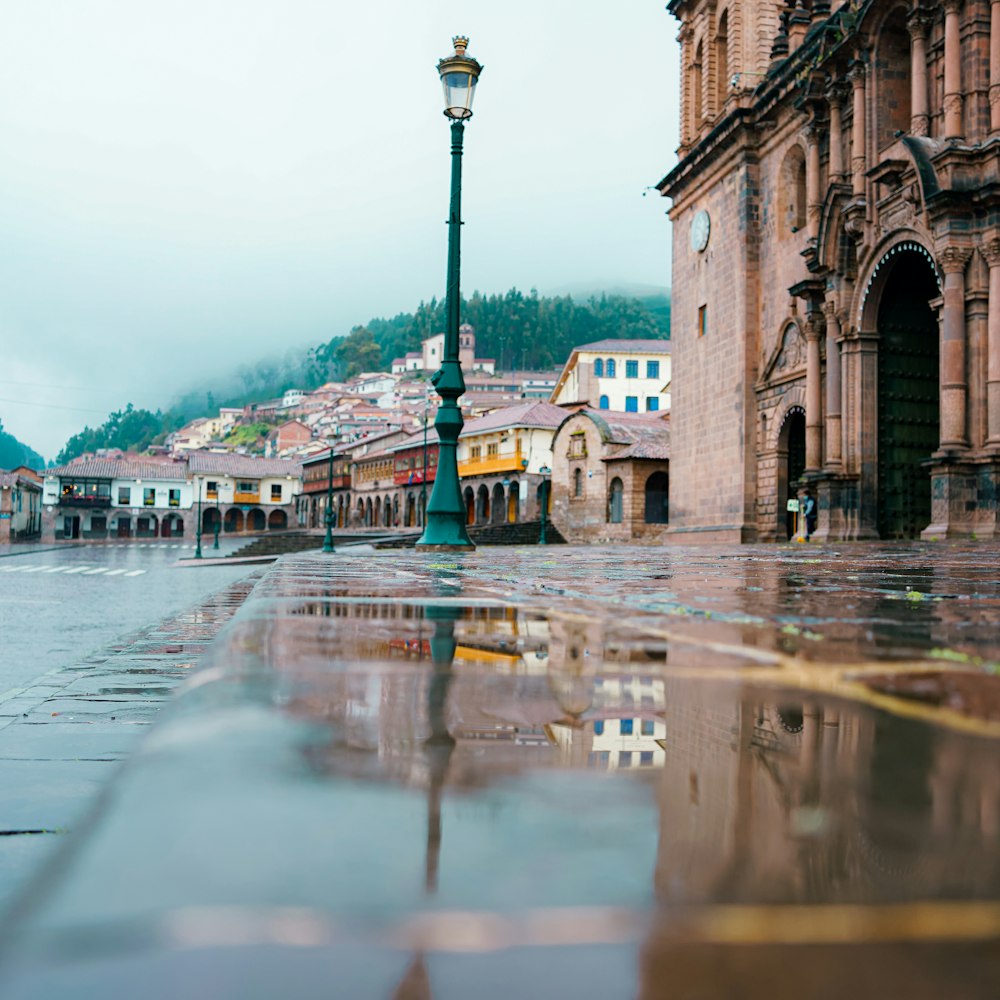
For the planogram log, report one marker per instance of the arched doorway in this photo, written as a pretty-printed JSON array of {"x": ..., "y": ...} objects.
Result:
[
  {"x": 256, "y": 520},
  {"x": 791, "y": 464},
  {"x": 514, "y": 502},
  {"x": 498, "y": 505},
  {"x": 658, "y": 499},
  {"x": 173, "y": 526},
  {"x": 616, "y": 495},
  {"x": 470, "y": 506},
  {"x": 368, "y": 513},
  {"x": 411, "y": 511},
  {"x": 909, "y": 404},
  {"x": 483, "y": 505},
  {"x": 277, "y": 520},
  {"x": 234, "y": 520},
  {"x": 209, "y": 519}
]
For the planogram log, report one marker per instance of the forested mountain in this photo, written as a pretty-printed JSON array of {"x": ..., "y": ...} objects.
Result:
[
  {"x": 13, "y": 453},
  {"x": 519, "y": 331}
]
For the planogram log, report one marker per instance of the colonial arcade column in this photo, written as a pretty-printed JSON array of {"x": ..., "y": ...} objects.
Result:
[
  {"x": 954, "y": 384},
  {"x": 991, "y": 253},
  {"x": 917, "y": 24},
  {"x": 834, "y": 452},
  {"x": 953, "y": 125}
]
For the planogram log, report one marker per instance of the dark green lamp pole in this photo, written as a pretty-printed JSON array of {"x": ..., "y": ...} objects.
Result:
[
  {"x": 423, "y": 474},
  {"x": 328, "y": 540},
  {"x": 445, "y": 521},
  {"x": 545, "y": 472},
  {"x": 197, "y": 548},
  {"x": 217, "y": 523}
]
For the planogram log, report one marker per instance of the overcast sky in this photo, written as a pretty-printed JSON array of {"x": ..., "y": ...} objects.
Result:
[{"x": 192, "y": 185}]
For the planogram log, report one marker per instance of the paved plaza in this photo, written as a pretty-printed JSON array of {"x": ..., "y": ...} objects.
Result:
[{"x": 557, "y": 771}]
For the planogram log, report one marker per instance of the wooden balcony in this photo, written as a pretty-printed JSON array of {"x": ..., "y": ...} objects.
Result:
[
  {"x": 246, "y": 497},
  {"x": 491, "y": 466}
]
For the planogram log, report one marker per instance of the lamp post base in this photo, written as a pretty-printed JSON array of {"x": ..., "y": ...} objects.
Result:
[{"x": 445, "y": 547}]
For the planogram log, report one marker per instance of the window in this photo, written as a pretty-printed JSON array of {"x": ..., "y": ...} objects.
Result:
[
  {"x": 578, "y": 484},
  {"x": 603, "y": 403},
  {"x": 174, "y": 498},
  {"x": 652, "y": 404},
  {"x": 615, "y": 501},
  {"x": 492, "y": 450},
  {"x": 578, "y": 445},
  {"x": 599, "y": 368},
  {"x": 631, "y": 369},
  {"x": 702, "y": 320},
  {"x": 631, "y": 404},
  {"x": 98, "y": 523},
  {"x": 646, "y": 757},
  {"x": 246, "y": 486},
  {"x": 609, "y": 367},
  {"x": 148, "y": 496},
  {"x": 648, "y": 727},
  {"x": 212, "y": 487},
  {"x": 276, "y": 492},
  {"x": 124, "y": 496},
  {"x": 477, "y": 452},
  {"x": 625, "y": 758},
  {"x": 626, "y": 727},
  {"x": 652, "y": 369},
  {"x": 599, "y": 727}
]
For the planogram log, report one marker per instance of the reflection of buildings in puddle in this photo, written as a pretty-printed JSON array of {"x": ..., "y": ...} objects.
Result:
[{"x": 784, "y": 801}]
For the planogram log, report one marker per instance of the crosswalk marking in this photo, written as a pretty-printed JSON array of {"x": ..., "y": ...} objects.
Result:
[
  {"x": 94, "y": 572},
  {"x": 69, "y": 571},
  {"x": 34, "y": 569},
  {"x": 53, "y": 569},
  {"x": 136, "y": 572},
  {"x": 15, "y": 569},
  {"x": 114, "y": 572},
  {"x": 77, "y": 569}
]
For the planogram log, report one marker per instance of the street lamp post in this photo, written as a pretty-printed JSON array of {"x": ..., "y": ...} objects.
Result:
[
  {"x": 444, "y": 526},
  {"x": 197, "y": 548},
  {"x": 423, "y": 474},
  {"x": 545, "y": 472},
  {"x": 217, "y": 523},
  {"x": 328, "y": 540}
]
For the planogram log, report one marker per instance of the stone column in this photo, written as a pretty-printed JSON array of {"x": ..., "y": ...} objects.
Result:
[
  {"x": 991, "y": 253},
  {"x": 837, "y": 133},
  {"x": 814, "y": 196},
  {"x": 814, "y": 405},
  {"x": 953, "y": 123},
  {"x": 858, "y": 158},
  {"x": 834, "y": 453},
  {"x": 954, "y": 385},
  {"x": 995, "y": 65},
  {"x": 919, "y": 115}
]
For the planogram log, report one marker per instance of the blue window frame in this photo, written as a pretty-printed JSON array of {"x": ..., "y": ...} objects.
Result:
[
  {"x": 652, "y": 369},
  {"x": 609, "y": 367},
  {"x": 626, "y": 727},
  {"x": 604, "y": 403},
  {"x": 631, "y": 404},
  {"x": 599, "y": 727},
  {"x": 652, "y": 403},
  {"x": 631, "y": 369},
  {"x": 599, "y": 368},
  {"x": 646, "y": 757}
]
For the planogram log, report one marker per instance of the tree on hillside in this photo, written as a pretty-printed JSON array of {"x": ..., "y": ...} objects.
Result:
[
  {"x": 129, "y": 429},
  {"x": 358, "y": 352},
  {"x": 13, "y": 453}
]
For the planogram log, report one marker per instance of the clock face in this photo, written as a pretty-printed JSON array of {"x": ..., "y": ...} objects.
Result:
[{"x": 701, "y": 226}]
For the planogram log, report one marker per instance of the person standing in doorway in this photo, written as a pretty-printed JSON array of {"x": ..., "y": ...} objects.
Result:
[{"x": 809, "y": 512}]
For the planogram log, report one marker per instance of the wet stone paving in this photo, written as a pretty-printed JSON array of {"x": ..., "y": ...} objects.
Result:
[{"x": 556, "y": 771}]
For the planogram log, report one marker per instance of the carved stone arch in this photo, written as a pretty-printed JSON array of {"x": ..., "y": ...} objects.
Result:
[
  {"x": 790, "y": 336},
  {"x": 835, "y": 249},
  {"x": 794, "y": 401},
  {"x": 868, "y": 291}
]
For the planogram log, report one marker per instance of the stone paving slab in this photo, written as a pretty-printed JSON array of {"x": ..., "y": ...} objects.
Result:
[{"x": 513, "y": 772}]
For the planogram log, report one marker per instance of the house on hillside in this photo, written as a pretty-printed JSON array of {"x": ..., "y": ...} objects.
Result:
[
  {"x": 20, "y": 505},
  {"x": 626, "y": 376}
]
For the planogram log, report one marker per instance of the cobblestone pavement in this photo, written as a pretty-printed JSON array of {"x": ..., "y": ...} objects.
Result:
[
  {"x": 566, "y": 771},
  {"x": 62, "y": 736}
]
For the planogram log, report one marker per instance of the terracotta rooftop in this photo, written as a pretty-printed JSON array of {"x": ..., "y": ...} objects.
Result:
[
  {"x": 242, "y": 465},
  {"x": 536, "y": 413},
  {"x": 118, "y": 468}
]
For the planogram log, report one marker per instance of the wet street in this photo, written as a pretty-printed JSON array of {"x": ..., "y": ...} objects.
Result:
[
  {"x": 756, "y": 772},
  {"x": 59, "y": 603}
]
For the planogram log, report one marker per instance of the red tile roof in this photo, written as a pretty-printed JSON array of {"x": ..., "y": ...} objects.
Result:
[
  {"x": 535, "y": 413},
  {"x": 205, "y": 463}
]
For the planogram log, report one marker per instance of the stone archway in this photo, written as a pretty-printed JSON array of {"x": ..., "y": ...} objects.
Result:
[
  {"x": 470, "y": 505},
  {"x": 277, "y": 520},
  {"x": 256, "y": 521},
  {"x": 498, "y": 505},
  {"x": 791, "y": 463},
  {"x": 909, "y": 395},
  {"x": 483, "y": 505},
  {"x": 514, "y": 502},
  {"x": 233, "y": 521}
]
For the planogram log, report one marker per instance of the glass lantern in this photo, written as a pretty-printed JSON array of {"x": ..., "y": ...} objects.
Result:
[{"x": 459, "y": 75}]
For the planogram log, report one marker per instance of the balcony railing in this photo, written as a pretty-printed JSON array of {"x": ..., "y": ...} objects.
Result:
[
  {"x": 72, "y": 501},
  {"x": 246, "y": 497},
  {"x": 491, "y": 465}
]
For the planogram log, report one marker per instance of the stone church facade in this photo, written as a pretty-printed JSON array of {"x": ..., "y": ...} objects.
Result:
[{"x": 836, "y": 268}]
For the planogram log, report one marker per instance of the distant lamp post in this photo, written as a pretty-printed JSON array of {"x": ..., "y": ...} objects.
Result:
[
  {"x": 197, "y": 548},
  {"x": 423, "y": 474},
  {"x": 544, "y": 499},
  {"x": 328, "y": 540},
  {"x": 444, "y": 526}
]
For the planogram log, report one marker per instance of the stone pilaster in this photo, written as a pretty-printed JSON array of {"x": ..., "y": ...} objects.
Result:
[
  {"x": 858, "y": 74},
  {"x": 917, "y": 24},
  {"x": 954, "y": 384},
  {"x": 954, "y": 127},
  {"x": 834, "y": 97},
  {"x": 814, "y": 189},
  {"x": 991, "y": 254},
  {"x": 995, "y": 65},
  {"x": 834, "y": 444}
]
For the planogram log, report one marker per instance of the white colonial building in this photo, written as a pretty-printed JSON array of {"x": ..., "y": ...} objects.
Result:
[{"x": 630, "y": 376}]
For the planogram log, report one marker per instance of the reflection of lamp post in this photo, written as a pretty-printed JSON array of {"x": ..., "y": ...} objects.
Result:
[
  {"x": 445, "y": 522},
  {"x": 544, "y": 491},
  {"x": 197, "y": 548},
  {"x": 423, "y": 475},
  {"x": 328, "y": 540},
  {"x": 217, "y": 523}
]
